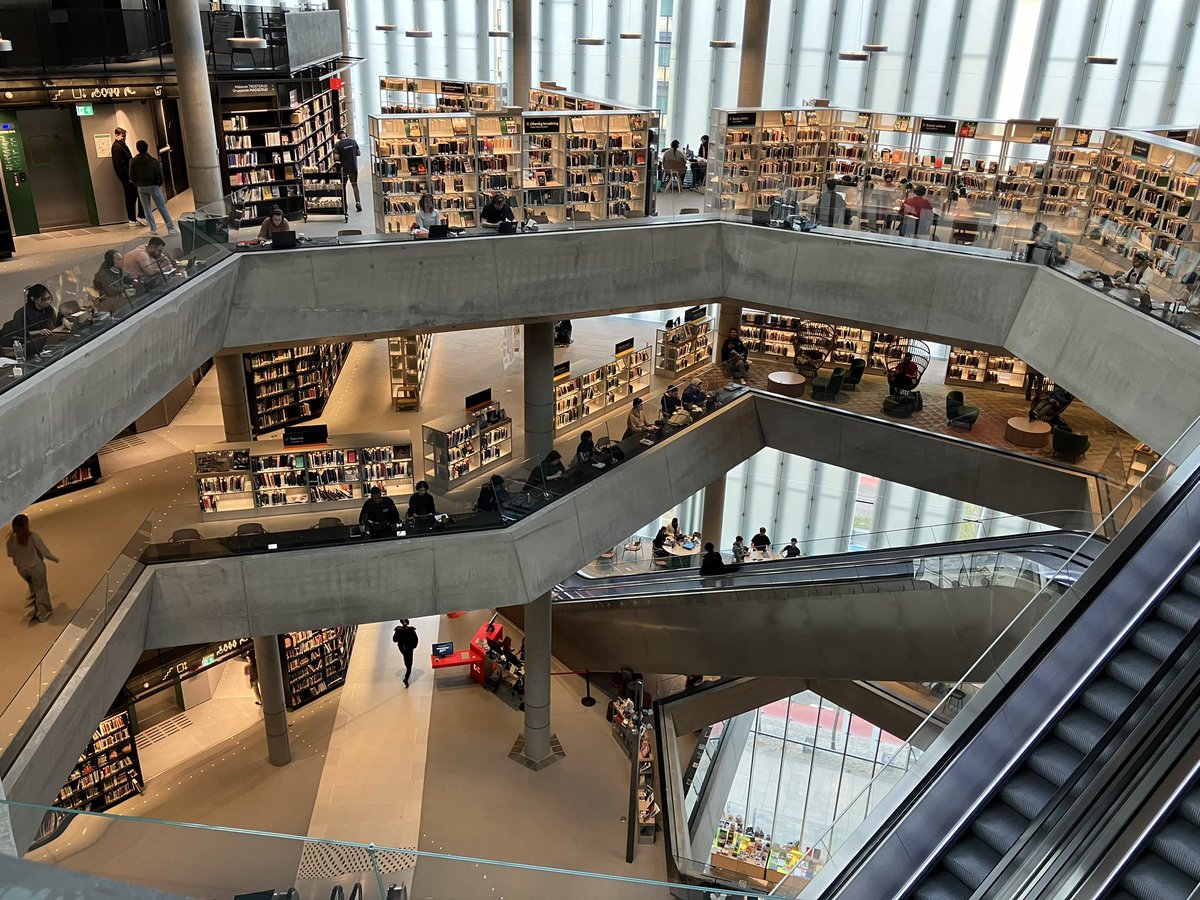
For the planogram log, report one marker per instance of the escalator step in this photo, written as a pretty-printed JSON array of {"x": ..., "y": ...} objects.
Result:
[
  {"x": 1107, "y": 698},
  {"x": 1178, "y": 842},
  {"x": 999, "y": 826},
  {"x": 1181, "y": 609},
  {"x": 1081, "y": 729},
  {"x": 1027, "y": 793},
  {"x": 941, "y": 886},
  {"x": 1152, "y": 878},
  {"x": 1190, "y": 583},
  {"x": 1054, "y": 760},
  {"x": 970, "y": 860},
  {"x": 1157, "y": 637},
  {"x": 1189, "y": 807},
  {"x": 1119, "y": 894},
  {"x": 1133, "y": 667}
]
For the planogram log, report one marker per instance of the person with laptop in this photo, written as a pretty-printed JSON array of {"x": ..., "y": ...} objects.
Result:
[
  {"x": 149, "y": 264},
  {"x": 110, "y": 282},
  {"x": 379, "y": 515},
  {"x": 428, "y": 215},
  {"x": 498, "y": 216},
  {"x": 272, "y": 224},
  {"x": 421, "y": 502}
]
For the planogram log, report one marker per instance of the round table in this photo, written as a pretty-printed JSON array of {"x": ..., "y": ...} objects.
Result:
[
  {"x": 1020, "y": 431},
  {"x": 789, "y": 384}
]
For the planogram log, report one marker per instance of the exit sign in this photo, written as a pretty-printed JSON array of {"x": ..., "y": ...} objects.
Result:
[{"x": 84, "y": 109}]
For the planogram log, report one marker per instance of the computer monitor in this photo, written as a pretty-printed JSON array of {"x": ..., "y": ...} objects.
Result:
[
  {"x": 443, "y": 649},
  {"x": 760, "y": 217},
  {"x": 282, "y": 240},
  {"x": 439, "y": 231}
]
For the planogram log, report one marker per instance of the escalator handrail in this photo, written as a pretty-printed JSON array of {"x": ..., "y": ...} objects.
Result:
[{"x": 1168, "y": 502}]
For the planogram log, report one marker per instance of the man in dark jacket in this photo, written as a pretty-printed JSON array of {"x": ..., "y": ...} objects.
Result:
[
  {"x": 147, "y": 175},
  {"x": 405, "y": 637},
  {"x": 120, "y": 160},
  {"x": 379, "y": 515},
  {"x": 712, "y": 564}
]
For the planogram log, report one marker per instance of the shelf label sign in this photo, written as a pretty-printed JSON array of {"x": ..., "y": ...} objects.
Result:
[
  {"x": 1140, "y": 150},
  {"x": 1178, "y": 134},
  {"x": 742, "y": 119},
  {"x": 478, "y": 400},
  {"x": 939, "y": 126},
  {"x": 562, "y": 370},
  {"x": 696, "y": 312},
  {"x": 453, "y": 87},
  {"x": 623, "y": 347},
  {"x": 243, "y": 89},
  {"x": 542, "y": 125}
]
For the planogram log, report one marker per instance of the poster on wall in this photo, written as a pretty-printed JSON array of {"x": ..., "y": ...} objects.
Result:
[
  {"x": 103, "y": 145},
  {"x": 510, "y": 345}
]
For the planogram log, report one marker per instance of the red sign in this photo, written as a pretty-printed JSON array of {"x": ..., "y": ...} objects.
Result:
[{"x": 335, "y": 84}]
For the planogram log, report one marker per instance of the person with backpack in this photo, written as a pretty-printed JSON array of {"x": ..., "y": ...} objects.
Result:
[
  {"x": 405, "y": 637},
  {"x": 145, "y": 172}
]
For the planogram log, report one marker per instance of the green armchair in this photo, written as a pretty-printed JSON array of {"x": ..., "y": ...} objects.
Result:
[
  {"x": 854, "y": 376},
  {"x": 826, "y": 387},
  {"x": 1071, "y": 444},
  {"x": 958, "y": 414}
]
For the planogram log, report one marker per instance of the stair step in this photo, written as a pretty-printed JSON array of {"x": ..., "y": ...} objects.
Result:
[{"x": 1027, "y": 793}]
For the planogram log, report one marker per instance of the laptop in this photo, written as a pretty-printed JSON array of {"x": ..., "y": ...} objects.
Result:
[
  {"x": 760, "y": 217},
  {"x": 283, "y": 240},
  {"x": 506, "y": 228},
  {"x": 439, "y": 231}
]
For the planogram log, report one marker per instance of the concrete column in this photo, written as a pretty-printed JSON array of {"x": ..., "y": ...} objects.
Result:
[
  {"x": 712, "y": 514},
  {"x": 754, "y": 52},
  {"x": 235, "y": 402},
  {"x": 729, "y": 316},
  {"x": 270, "y": 689},
  {"x": 537, "y": 680},
  {"x": 195, "y": 102},
  {"x": 522, "y": 52},
  {"x": 539, "y": 389}
]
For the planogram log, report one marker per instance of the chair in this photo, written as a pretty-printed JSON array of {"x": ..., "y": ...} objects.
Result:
[
  {"x": 634, "y": 547},
  {"x": 899, "y": 407},
  {"x": 689, "y": 211},
  {"x": 826, "y": 387},
  {"x": 186, "y": 534},
  {"x": 246, "y": 529},
  {"x": 603, "y": 442},
  {"x": 674, "y": 173},
  {"x": 963, "y": 232},
  {"x": 857, "y": 367},
  {"x": 958, "y": 414},
  {"x": 1071, "y": 444},
  {"x": 330, "y": 522}
]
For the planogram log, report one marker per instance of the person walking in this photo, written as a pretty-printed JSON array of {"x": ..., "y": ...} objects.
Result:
[
  {"x": 348, "y": 152},
  {"x": 146, "y": 173},
  {"x": 121, "y": 158},
  {"x": 405, "y": 637},
  {"x": 29, "y": 553}
]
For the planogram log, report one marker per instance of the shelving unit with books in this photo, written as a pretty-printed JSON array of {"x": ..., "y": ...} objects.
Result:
[
  {"x": 1071, "y": 180},
  {"x": 597, "y": 392},
  {"x": 852, "y": 140},
  {"x": 406, "y": 94},
  {"x": 223, "y": 480},
  {"x": 453, "y": 174},
  {"x": 408, "y": 358},
  {"x": 460, "y": 447},
  {"x": 971, "y": 367},
  {"x": 400, "y": 163},
  {"x": 545, "y": 177},
  {"x": 315, "y": 662},
  {"x": 770, "y": 335},
  {"x": 684, "y": 347},
  {"x": 291, "y": 384},
  {"x": 498, "y": 149},
  {"x": 84, "y": 475},
  {"x": 1024, "y": 167},
  {"x": 107, "y": 772},
  {"x": 324, "y": 194}
]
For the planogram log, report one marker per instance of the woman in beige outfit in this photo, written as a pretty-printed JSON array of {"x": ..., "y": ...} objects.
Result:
[{"x": 29, "y": 553}]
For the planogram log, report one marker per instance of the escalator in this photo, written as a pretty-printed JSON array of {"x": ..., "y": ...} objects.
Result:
[
  {"x": 918, "y": 614},
  {"x": 1080, "y": 698}
]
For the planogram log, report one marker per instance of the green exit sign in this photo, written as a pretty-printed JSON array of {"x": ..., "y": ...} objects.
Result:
[{"x": 84, "y": 109}]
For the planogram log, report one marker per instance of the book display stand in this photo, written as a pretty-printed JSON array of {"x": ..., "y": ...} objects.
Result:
[
  {"x": 684, "y": 347},
  {"x": 267, "y": 475},
  {"x": 314, "y": 662},
  {"x": 406, "y": 94},
  {"x": 459, "y": 447},
  {"x": 291, "y": 384},
  {"x": 596, "y": 393},
  {"x": 408, "y": 360}
]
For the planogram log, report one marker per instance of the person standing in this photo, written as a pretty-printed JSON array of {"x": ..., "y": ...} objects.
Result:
[
  {"x": 29, "y": 553},
  {"x": 348, "y": 152},
  {"x": 405, "y": 637},
  {"x": 146, "y": 173},
  {"x": 121, "y": 158}
]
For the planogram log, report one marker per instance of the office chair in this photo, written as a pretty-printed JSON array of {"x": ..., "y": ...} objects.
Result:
[
  {"x": 185, "y": 534},
  {"x": 247, "y": 529}
]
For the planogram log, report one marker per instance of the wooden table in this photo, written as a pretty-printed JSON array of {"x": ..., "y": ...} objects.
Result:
[
  {"x": 1020, "y": 431},
  {"x": 789, "y": 384}
]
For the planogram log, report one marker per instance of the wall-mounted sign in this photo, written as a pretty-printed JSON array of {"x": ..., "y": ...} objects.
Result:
[
  {"x": 1178, "y": 134},
  {"x": 624, "y": 347},
  {"x": 542, "y": 124},
  {"x": 939, "y": 126},
  {"x": 453, "y": 87},
  {"x": 742, "y": 119},
  {"x": 696, "y": 312},
  {"x": 478, "y": 400},
  {"x": 1140, "y": 150},
  {"x": 84, "y": 109},
  {"x": 245, "y": 89},
  {"x": 302, "y": 435},
  {"x": 103, "y": 144},
  {"x": 114, "y": 92}
]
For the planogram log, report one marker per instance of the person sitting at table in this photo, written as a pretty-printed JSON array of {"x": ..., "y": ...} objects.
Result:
[
  {"x": 496, "y": 213},
  {"x": 658, "y": 545},
  {"x": 693, "y": 394},
  {"x": 379, "y": 515},
  {"x": 670, "y": 401},
  {"x": 712, "y": 564},
  {"x": 33, "y": 322},
  {"x": 1136, "y": 278},
  {"x": 110, "y": 282},
  {"x": 149, "y": 264},
  {"x": 760, "y": 541},
  {"x": 549, "y": 469},
  {"x": 916, "y": 214},
  {"x": 792, "y": 550},
  {"x": 740, "y": 550},
  {"x": 428, "y": 215},
  {"x": 735, "y": 358},
  {"x": 636, "y": 423},
  {"x": 884, "y": 199},
  {"x": 1045, "y": 238},
  {"x": 274, "y": 222},
  {"x": 493, "y": 496},
  {"x": 421, "y": 503},
  {"x": 676, "y": 532}
]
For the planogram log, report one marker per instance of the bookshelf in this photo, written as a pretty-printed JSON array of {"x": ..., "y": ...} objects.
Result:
[
  {"x": 459, "y": 447},
  {"x": 685, "y": 347},
  {"x": 271, "y": 134},
  {"x": 972, "y": 367},
  {"x": 1071, "y": 180},
  {"x": 81, "y": 476},
  {"x": 266, "y": 475},
  {"x": 291, "y": 384},
  {"x": 408, "y": 360},
  {"x": 107, "y": 772},
  {"x": 598, "y": 392},
  {"x": 407, "y": 94},
  {"x": 314, "y": 662},
  {"x": 770, "y": 335},
  {"x": 400, "y": 164}
]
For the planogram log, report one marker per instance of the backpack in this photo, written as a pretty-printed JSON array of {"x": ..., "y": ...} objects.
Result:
[{"x": 396, "y": 636}]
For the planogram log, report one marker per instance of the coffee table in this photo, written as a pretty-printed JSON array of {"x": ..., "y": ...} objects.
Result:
[
  {"x": 789, "y": 384},
  {"x": 1024, "y": 433}
]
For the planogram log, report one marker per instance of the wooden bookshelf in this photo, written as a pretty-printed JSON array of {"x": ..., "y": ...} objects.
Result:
[
  {"x": 291, "y": 384},
  {"x": 107, "y": 772},
  {"x": 314, "y": 662}
]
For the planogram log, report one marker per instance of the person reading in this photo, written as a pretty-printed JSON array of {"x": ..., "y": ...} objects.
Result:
[
  {"x": 379, "y": 515},
  {"x": 496, "y": 214},
  {"x": 421, "y": 503}
]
